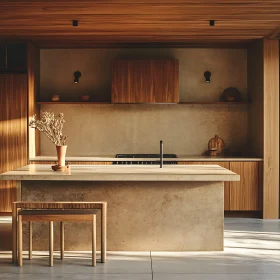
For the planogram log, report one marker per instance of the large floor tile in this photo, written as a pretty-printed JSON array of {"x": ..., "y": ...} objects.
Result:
[
  {"x": 80, "y": 263},
  {"x": 157, "y": 276},
  {"x": 33, "y": 276}
]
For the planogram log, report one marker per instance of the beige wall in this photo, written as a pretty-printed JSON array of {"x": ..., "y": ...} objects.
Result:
[{"x": 111, "y": 129}]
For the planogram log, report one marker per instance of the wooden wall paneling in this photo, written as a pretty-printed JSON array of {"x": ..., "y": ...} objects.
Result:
[
  {"x": 145, "y": 81},
  {"x": 141, "y": 21},
  {"x": 255, "y": 84},
  {"x": 165, "y": 75},
  {"x": 244, "y": 195},
  {"x": 224, "y": 164},
  {"x": 271, "y": 129},
  {"x": 13, "y": 140},
  {"x": 33, "y": 64}
]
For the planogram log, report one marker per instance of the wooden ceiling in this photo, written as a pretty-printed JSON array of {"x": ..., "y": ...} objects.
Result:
[{"x": 49, "y": 22}]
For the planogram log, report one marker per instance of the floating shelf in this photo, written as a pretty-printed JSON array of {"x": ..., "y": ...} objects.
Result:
[{"x": 180, "y": 103}]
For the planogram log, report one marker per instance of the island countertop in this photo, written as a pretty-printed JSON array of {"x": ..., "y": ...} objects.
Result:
[{"x": 122, "y": 173}]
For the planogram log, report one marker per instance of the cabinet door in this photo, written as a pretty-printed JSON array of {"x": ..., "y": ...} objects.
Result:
[
  {"x": 244, "y": 195},
  {"x": 165, "y": 83},
  {"x": 145, "y": 81},
  {"x": 224, "y": 164},
  {"x": 13, "y": 128}
]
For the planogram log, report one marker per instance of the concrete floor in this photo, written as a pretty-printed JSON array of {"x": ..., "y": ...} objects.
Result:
[{"x": 252, "y": 252}]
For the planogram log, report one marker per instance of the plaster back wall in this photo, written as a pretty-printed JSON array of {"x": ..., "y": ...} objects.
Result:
[
  {"x": 111, "y": 129},
  {"x": 138, "y": 128}
]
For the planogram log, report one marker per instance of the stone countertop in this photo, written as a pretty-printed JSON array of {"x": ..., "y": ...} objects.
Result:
[
  {"x": 122, "y": 173},
  {"x": 179, "y": 158}
]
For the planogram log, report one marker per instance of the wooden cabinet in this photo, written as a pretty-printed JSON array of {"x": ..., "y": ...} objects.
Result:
[
  {"x": 244, "y": 195},
  {"x": 13, "y": 128},
  {"x": 13, "y": 57},
  {"x": 145, "y": 81}
]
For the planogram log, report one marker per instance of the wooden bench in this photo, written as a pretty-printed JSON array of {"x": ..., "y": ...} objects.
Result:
[
  {"x": 55, "y": 216},
  {"x": 65, "y": 205}
]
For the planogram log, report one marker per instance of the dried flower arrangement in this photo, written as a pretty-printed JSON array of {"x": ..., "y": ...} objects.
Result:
[{"x": 51, "y": 125}]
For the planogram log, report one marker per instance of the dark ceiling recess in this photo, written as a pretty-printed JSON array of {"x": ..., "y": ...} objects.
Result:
[
  {"x": 211, "y": 22},
  {"x": 75, "y": 22}
]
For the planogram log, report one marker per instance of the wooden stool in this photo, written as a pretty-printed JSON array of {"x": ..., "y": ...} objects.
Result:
[
  {"x": 61, "y": 205},
  {"x": 51, "y": 216}
]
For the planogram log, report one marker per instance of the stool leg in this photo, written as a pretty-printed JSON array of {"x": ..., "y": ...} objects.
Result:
[
  {"x": 62, "y": 240},
  {"x": 51, "y": 242},
  {"x": 20, "y": 240},
  {"x": 30, "y": 240},
  {"x": 103, "y": 232},
  {"x": 94, "y": 240}
]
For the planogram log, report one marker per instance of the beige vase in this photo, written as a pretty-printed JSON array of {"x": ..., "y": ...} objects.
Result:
[{"x": 61, "y": 152}]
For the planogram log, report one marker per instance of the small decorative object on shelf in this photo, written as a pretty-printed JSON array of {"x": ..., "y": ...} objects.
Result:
[
  {"x": 55, "y": 97},
  {"x": 52, "y": 126},
  {"x": 84, "y": 97},
  {"x": 231, "y": 94},
  {"x": 216, "y": 146}
]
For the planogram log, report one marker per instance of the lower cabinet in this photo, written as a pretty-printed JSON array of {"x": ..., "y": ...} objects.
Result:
[{"x": 243, "y": 195}]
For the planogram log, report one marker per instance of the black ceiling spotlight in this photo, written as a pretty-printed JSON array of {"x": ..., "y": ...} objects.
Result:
[
  {"x": 207, "y": 76},
  {"x": 211, "y": 22},
  {"x": 75, "y": 22},
  {"x": 77, "y": 76}
]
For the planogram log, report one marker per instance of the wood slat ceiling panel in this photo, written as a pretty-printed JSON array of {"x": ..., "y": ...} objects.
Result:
[{"x": 139, "y": 21}]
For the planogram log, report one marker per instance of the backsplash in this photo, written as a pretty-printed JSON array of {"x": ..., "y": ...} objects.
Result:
[{"x": 138, "y": 128}]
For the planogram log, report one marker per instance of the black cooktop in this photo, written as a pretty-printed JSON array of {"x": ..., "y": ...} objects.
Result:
[{"x": 145, "y": 156}]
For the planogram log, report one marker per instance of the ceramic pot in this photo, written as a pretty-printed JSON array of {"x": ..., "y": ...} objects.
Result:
[{"x": 61, "y": 153}]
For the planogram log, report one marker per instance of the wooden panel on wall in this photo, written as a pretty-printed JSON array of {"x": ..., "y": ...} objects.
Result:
[
  {"x": 271, "y": 130},
  {"x": 255, "y": 94},
  {"x": 13, "y": 127},
  {"x": 145, "y": 81},
  {"x": 33, "y": 63},
  {"x": 224, "y": 164},
  {"x": 244, "y": 195},
  {"x": 165, "y": 81}
]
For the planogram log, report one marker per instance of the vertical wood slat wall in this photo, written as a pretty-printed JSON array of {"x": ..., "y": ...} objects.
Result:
[
  {"x": 13, "y": 130},
  {"x": 141, "y": 81},
  {"x": 271, "y": 129},
  {"x": 33, "y": 58}
]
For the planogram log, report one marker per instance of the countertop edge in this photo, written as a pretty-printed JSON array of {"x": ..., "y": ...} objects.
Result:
[{"x": 112, "y": 159}]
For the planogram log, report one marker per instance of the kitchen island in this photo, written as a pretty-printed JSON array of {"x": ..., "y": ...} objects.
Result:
[{"x": 174, "y": 208}]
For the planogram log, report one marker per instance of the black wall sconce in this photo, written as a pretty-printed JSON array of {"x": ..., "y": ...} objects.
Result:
[
  {"x": 207, "y": 76},
  {"x": 77, "y": 76}
]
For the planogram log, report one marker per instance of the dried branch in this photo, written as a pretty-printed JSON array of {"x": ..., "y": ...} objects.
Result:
[{"x": 51, "y": 125}]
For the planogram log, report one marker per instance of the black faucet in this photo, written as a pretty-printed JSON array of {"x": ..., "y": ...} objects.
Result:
[{"x": 161, "y": 153}]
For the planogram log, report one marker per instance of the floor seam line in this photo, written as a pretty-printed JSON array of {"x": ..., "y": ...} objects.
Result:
[{"x": 152, "y": 265}]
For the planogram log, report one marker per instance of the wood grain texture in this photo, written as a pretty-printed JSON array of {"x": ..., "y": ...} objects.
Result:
[
  {"x": 13, "y": 127},
  {"x": 244, "y": 195},
  {"x": 60, "y": 205},
  {"x": 33, "y": 65},
  {"x": 271, "y": 130},
  {"x": 145, "y": 81},
  {"x": 224, "y": 164},
  {"x": 137, "y": 21},
  {"x": 255, "y": 84}
]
